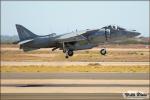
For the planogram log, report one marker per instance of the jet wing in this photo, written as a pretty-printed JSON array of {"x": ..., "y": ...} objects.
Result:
[
  {"x": 76, "y": 36},
  {"x": 71, "y": 37}
]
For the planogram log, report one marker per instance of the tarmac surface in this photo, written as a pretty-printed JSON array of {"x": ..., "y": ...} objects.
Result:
[
  {"x": 83, "y": 75},
  {"x": 71, "y": 86},
  {"x": 64, "y": 96}
]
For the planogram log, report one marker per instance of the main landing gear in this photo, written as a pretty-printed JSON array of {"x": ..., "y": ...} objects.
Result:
[
  {"x": 68, "y": 53},
  {"x": 103, "y": 51}
]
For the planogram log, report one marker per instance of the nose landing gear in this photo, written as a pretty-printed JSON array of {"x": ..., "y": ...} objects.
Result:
[{"x": 103, "y": 51}]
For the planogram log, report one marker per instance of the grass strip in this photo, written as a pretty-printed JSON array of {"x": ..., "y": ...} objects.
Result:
[{"x": 87, "y": 68}]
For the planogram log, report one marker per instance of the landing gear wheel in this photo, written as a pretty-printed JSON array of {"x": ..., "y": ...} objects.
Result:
[
  {"x": 103, "y": 51},
  {"x": 66, "y": 56},
  {"x": 70, "y": 52}
]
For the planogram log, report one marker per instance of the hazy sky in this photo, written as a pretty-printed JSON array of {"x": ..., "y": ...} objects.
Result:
[{"x": 45, "y": 17}]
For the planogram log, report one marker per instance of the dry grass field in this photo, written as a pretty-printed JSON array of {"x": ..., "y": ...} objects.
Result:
[
  {"x": 88, "y": 68},
  {"x": 116, "y": 53},
  {"x": 135, "y": 53}
]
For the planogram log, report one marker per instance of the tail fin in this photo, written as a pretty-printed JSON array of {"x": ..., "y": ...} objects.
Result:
[{"x": 24, "y": 33}]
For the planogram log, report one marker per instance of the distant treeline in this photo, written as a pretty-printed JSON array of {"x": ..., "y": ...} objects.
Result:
[
  {"x": 141, "y": 40},
  {"x": 135, "y": 42},
  {"x": 8, "y": 39}
]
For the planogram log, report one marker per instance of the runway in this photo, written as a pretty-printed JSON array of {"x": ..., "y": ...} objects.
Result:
[
  {"x": 84, "y": 75},
  {"x": 71, "y": 86},
  {"x": 64, "y": 96}
]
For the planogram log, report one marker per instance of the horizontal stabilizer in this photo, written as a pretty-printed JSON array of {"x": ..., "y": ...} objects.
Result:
[{"x": 25, "y": 41}]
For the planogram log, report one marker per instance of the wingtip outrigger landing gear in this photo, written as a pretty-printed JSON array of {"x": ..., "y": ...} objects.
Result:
[{"x": 103, "y": 51}]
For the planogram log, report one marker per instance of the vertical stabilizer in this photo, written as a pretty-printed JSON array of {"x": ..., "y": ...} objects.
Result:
[{"x": 24, "y": 33}]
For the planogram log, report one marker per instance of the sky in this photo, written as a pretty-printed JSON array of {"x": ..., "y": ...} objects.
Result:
[{"x": 45, "y": 17}]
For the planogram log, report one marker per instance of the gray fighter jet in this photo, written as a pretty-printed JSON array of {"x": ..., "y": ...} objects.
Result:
[{"x": 70, "y": 42}]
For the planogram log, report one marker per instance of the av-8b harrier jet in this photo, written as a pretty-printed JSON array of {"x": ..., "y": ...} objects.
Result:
[{"x": 70, "y": 42}]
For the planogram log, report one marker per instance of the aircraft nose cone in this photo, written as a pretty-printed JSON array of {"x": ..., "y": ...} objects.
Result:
[
  {"x": 136, "y": 33},
  {"x": 133, "y": 34}
]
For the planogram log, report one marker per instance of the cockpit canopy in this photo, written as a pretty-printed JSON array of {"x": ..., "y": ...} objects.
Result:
[{"x": 114, "y": 27}]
